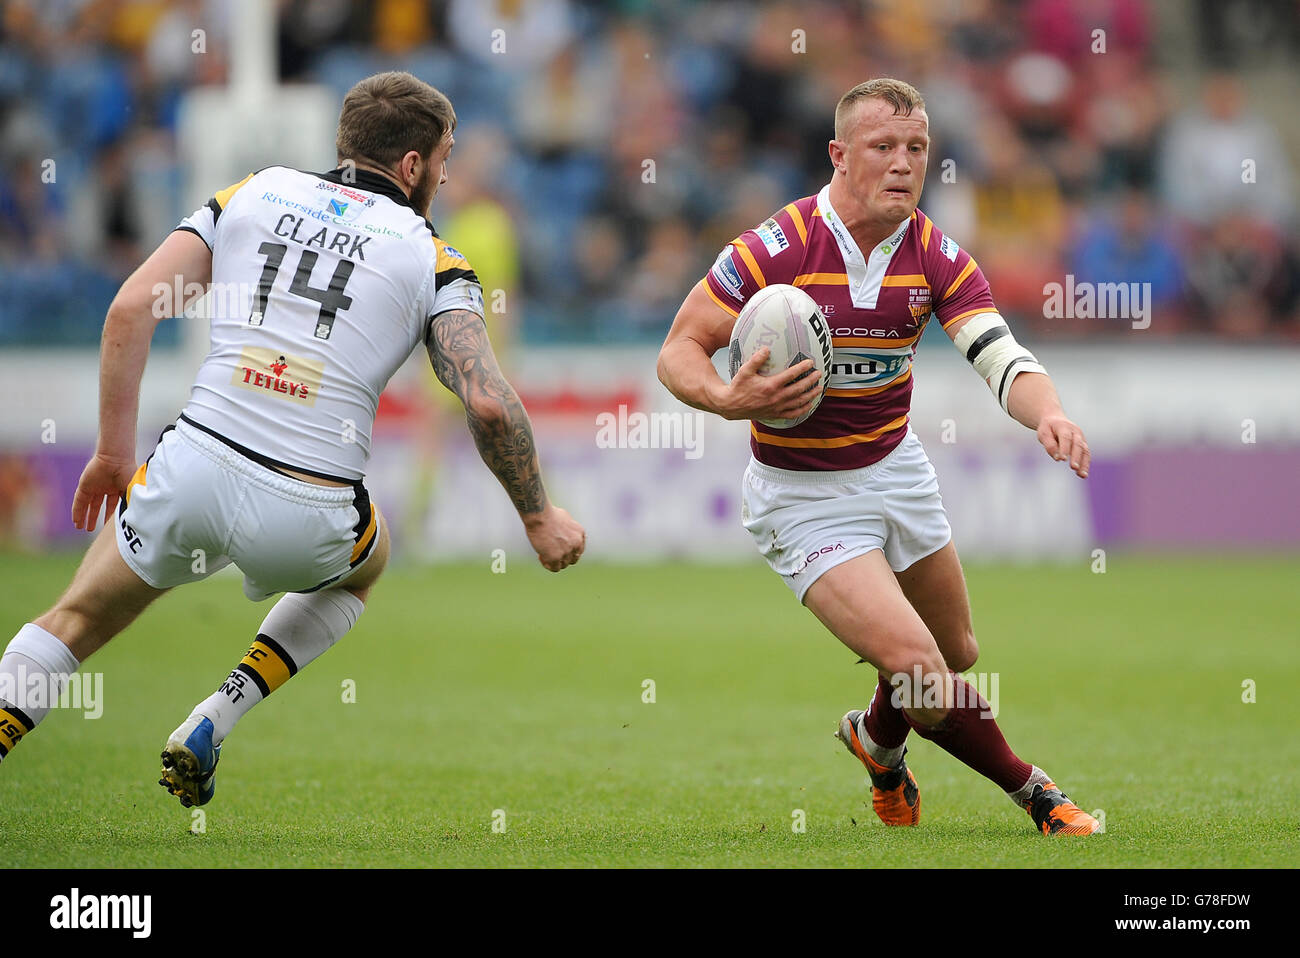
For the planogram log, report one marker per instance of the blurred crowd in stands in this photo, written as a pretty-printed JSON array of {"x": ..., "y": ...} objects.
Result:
[{"x": 1122, "y": 156}]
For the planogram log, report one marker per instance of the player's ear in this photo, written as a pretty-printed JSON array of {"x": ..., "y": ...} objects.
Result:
[
  {"x": 836, "y": 150},
  {"x": 409, "y": 167}
]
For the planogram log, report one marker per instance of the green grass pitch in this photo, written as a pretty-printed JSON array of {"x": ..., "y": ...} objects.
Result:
[{"x": 522, "y": 692}]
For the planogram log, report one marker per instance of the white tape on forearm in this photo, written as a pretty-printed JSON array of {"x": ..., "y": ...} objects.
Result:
[{"x": 988, "y": 345}]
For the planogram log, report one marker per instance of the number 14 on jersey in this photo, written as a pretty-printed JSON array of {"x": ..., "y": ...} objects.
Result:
[{"x": 331, "y": 298}]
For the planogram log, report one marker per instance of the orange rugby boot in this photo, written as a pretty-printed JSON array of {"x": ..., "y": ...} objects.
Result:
[
  {"x": 894, "y": 792},
  {"x": 1054, "y": 814}
]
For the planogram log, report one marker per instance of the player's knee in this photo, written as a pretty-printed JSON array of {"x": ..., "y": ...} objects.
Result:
[
  {"x": 911, "y": 660},
  {"x": 965, "y": 652},
  {"x": 927, "y": 697},
  {"x": 925, "y": 718},
  {"x": 912, "y": 669}
]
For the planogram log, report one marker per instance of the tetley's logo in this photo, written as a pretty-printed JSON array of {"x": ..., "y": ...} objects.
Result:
[{"x": 287, "y": 377}]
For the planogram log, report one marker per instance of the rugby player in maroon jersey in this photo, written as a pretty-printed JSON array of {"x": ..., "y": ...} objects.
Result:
[{"x": 845, "y": 506}]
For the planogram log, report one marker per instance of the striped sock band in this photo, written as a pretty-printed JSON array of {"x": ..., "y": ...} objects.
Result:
[
  {"x": 34, "y": 670},
  {"x": 299, "y": 628},
  {"x": 267, "y": 664},
  {"x": 14, "y": 724}
]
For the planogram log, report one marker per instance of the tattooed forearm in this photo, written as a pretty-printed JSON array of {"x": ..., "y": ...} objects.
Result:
[{"x": 463, "y": 362}]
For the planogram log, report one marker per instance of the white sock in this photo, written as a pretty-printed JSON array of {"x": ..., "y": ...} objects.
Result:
[
  {"x": 889, "y": 757},
  {"x": 1036, "y": 777},
  {"x": 34, "y": 671},
  {"x": 298, "y": 629}
]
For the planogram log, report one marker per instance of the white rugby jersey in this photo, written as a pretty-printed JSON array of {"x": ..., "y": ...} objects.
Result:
[{"x": 321, "y": 290}]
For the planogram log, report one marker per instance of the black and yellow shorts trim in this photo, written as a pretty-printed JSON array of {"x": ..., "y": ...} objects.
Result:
[{"x": 199, "y": 505}]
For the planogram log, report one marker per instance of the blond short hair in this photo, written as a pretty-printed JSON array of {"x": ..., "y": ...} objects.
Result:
[{"x": 903, "y": 97}]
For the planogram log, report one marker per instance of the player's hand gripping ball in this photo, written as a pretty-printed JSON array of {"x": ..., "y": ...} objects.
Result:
[{"x": 787, "y": 321}]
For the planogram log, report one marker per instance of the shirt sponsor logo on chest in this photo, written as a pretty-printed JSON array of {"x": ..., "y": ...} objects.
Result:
[{"x": 858, "y": 367}]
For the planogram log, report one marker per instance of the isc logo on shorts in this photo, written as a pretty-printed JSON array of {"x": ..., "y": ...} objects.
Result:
[
  {"x": 132, "y": 537},
  {"x": 290, "y": 378}
]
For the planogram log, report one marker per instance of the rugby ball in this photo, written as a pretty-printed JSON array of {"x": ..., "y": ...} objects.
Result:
[{"x": 787, "y": 321}]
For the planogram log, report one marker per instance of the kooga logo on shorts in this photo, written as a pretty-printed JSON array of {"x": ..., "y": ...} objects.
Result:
[{"x": 817, "y": 554}]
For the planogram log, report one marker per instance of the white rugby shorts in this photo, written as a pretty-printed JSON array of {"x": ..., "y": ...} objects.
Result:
[
  {"x": 806, "y": 522},
  {"x": 197, "y": 505}
]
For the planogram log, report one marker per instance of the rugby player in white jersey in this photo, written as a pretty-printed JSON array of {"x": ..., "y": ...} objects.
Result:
[
  {"x": 341, "y": 278},
  {"x": 845, "y": 506}
]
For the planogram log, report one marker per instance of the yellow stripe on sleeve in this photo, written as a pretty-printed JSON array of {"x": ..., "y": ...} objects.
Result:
[
  {"x": 969, "y": 312},
  {"x": 223, "y": 196},
  {"x": 970, "y": 268},
  {"x": 750, "y": 262},
  {"x": 797, "y": 218},
  {"x": 714, "y": 296},
  {"x": 444, "y": 260}
]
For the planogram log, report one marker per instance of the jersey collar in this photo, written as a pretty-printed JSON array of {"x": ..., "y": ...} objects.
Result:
[
  {"x": 848, "y": 246},
  {"x": 374, "y": 183},
  {"x": 865, "y": 274}
]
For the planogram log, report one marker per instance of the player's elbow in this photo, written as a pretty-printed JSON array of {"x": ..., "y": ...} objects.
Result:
[
  {"x": 485, "y": 413},
  {"x": 124, "y": 319},
  {"x": 661, "y": 368},
  {"x": 494, "y": 411},
  {"x": 667, "y": 367},
  {"x": 136, "y": 304}
]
